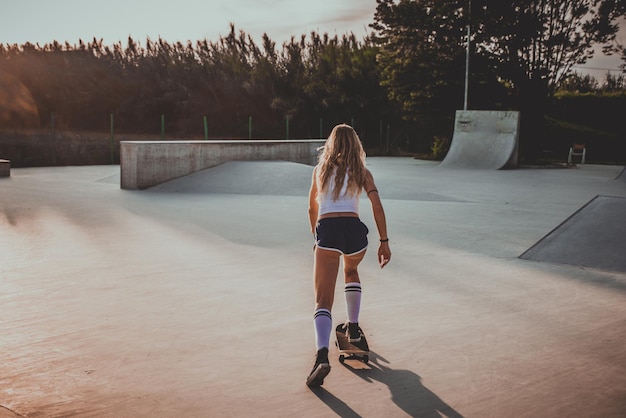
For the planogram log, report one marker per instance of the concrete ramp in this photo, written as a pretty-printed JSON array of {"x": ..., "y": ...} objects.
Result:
[
  {"x": 146, "y": 164},
  {"x": 595, "y": 236},
  {"x": 275, "y": 178},
  {"x": 484, "y": 139},
  {"x": 622, "y": 176}
]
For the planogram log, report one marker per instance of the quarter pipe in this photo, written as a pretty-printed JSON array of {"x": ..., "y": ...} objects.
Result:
[{"x": 484, "y": 139}]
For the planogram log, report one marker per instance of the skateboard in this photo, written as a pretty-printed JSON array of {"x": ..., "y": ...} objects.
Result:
[{"x": 351, "y": 351}]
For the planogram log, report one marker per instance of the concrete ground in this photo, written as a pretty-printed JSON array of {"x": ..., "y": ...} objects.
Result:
[{"x": 194, "y": 299}]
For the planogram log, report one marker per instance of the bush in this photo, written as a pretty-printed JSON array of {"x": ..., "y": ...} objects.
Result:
[
  {"x": 602, "y": 147},
  {"x": 440, "y": 148}
]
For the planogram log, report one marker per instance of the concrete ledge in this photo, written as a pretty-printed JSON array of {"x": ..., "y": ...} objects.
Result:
[
  {"x": 148, "y": 163},
  {"x": 5, "y": 168}
]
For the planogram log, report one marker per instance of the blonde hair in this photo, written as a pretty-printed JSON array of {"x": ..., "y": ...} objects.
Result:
[{"x": 343, "y": 153}]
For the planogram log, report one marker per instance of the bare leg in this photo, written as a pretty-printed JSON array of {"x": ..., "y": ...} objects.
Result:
[
  {"x": 350, "y": 267},
  {"x": 325, "y": 277},
  {"x": 352, "y": 294}
]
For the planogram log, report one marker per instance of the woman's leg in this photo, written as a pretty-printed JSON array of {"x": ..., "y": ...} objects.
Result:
[
  {"x": 350, "y": 267},
  {"x": 325, "y": 277},
  {"x": 352, "y": 292}
]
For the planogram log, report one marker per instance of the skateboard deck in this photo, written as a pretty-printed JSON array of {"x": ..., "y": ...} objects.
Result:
[{"x": 351, "y": 351}]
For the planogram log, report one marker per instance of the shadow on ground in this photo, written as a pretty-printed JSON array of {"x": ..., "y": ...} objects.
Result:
[{"x": 405, "y": 386}]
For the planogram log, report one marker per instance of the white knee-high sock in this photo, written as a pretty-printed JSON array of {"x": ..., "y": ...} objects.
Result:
[
  {"x": 323, "y": 323},
  {"x": 353, "y": 301}
]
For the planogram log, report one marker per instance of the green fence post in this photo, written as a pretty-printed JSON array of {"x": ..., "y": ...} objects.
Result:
[
  {"x": 321, "y": 128},
  {"x": 388, "y": 130},
  {"x": 206, "y": 128},
  {"x": 162, "y": 127},
  {"x": 112, "y": 141},
  {"x": 54, "y": 140},
  {"x": 287, "y": 127},
  {"x": 249, "y": 127}
]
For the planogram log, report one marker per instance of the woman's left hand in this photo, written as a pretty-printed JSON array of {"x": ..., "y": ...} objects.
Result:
[{"x": 384, "y": 254}]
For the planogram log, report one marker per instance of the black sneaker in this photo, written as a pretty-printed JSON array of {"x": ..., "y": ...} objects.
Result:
[
  {"x": 353, "y": 332},
  {"x": 320, "y": 369}
]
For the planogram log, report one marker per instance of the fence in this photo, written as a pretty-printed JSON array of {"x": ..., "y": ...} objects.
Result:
[{"x": 57, "y": 145}]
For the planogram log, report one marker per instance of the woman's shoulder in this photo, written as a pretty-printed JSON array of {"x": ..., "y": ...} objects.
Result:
[{"x": 369, "y": 178}]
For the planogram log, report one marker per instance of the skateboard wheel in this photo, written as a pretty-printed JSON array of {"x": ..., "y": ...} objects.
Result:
[
  {"x": 342, "y": 358},
  {"x": 366, "y": 359}
]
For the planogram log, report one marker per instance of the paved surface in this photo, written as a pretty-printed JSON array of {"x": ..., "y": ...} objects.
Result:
[{"x": 197, "y": 301}]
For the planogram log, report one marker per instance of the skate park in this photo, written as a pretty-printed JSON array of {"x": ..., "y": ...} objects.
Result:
[{"x": 194, "y": 297}]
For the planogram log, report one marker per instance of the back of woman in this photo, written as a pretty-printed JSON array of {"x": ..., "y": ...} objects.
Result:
[{"x": 338, "y": 180}]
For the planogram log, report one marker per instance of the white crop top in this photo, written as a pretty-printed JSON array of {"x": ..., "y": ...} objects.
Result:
[{"x": 344, "y": 203}]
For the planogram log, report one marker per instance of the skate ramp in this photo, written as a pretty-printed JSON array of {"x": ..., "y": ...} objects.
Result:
[
  {"x": 484, "y": 139},
  {"x": 622, "y": 176},
  {"x": 145, "y": 164},
  {"x": 277, "y": 178},
  {"x": 595, "y": 236}
]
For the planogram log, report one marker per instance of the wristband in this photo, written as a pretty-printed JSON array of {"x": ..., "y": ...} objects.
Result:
[{"x": 384, "y": 240}]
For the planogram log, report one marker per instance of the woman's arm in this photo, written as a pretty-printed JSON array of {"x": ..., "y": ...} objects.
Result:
[
  {"x": 384, "y": 253},
  {"x": 313, "y": 204}
]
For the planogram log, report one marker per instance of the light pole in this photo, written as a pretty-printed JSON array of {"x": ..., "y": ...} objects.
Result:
[{"x": 467, "y": 52}]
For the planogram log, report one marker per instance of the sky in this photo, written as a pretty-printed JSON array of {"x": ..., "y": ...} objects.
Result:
[{"x": 44, "y": 21}]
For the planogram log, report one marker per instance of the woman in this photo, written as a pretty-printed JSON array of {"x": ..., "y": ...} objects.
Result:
[{"x": 338, "y": 180}]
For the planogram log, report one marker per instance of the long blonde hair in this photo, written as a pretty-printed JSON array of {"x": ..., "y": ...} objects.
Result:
[{"x": 343, "y": 153}]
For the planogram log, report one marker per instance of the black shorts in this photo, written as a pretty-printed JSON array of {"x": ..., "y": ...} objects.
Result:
[{"x": 347, "y": 235}]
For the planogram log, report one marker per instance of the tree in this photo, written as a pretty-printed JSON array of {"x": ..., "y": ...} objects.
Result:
[
  {"x": 533, "y": 45},
  {"x": 614, "y": 83},
  {"x": 422, "y": 63},
  {"x": 342, "y": 82},
  {"x": 579, "y": 83},
  {"x": 228, "y": 81},
  {"x": 530, "y": 45},
  {"x": 421, "y": 49}
]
